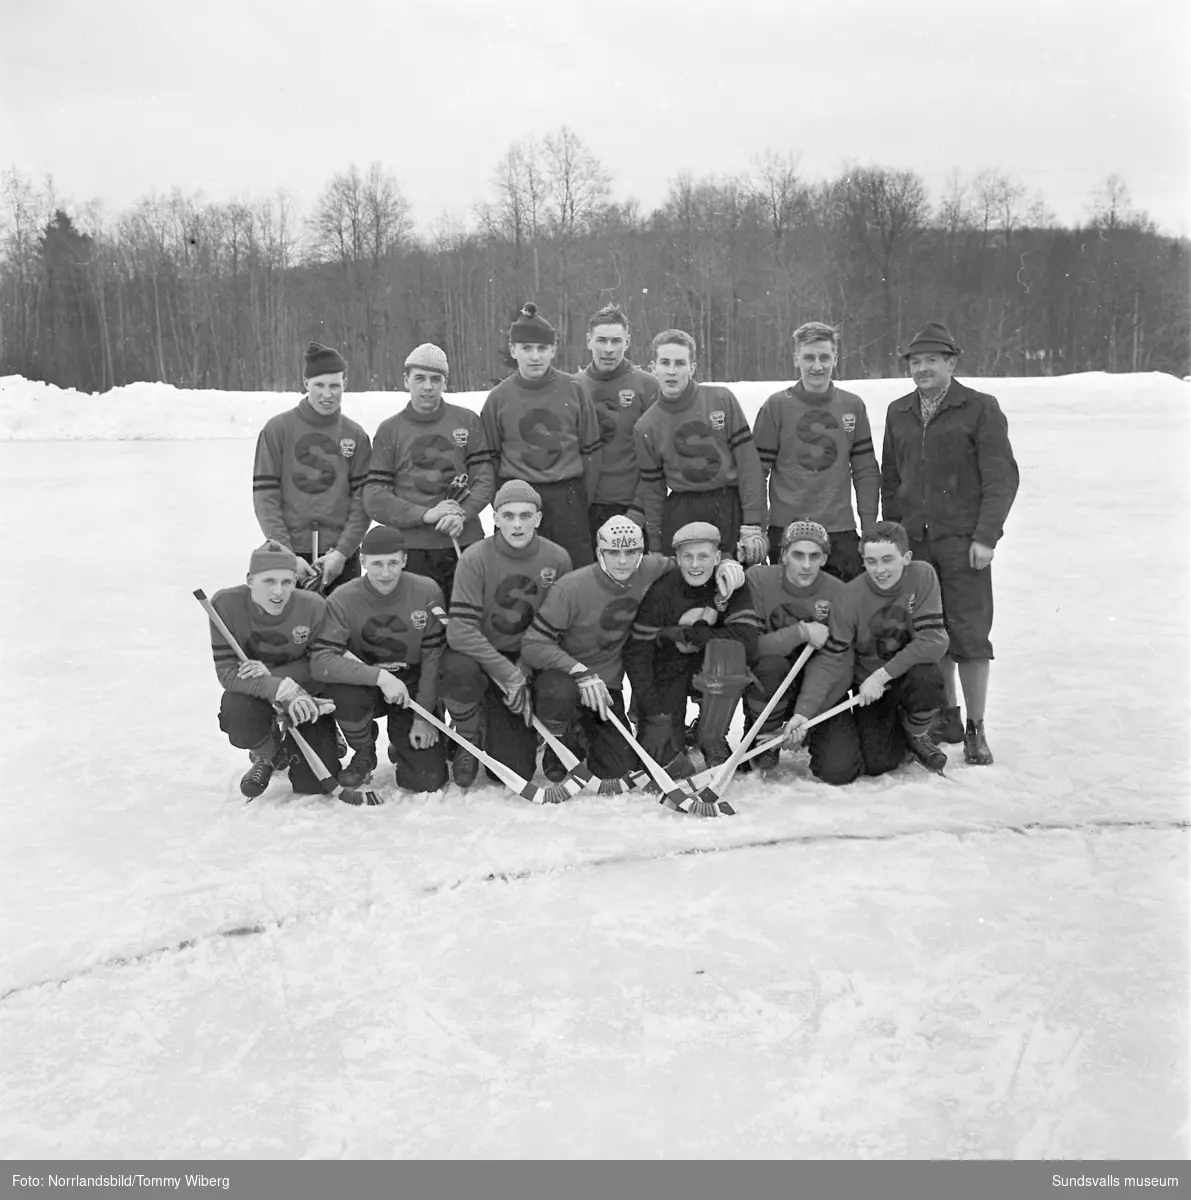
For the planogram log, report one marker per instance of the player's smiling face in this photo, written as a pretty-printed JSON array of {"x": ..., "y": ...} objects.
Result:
[
  {"x": 325, "y": 393},
  {"x": 271, "y": 590},
  {"x": 885, "y": 563},
  {"x": 816, "y": 360},
  {"x": 533, "y": 358},
  {"x": 697, "y": 562},
  {"x": 384, "y": 570},
  {"x": 517, "y": 523},
  {"x": 425, "y": 388},
  {"x": 803, "y": 562},
  {"x": 673, "y": 365},
  {"x": 608, "y": 344}
]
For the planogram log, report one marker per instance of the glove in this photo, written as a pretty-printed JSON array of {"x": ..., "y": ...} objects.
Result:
[
  {"x": 753, "y": 546},
  {"x": 873, "y": 687},
  {"x": 796, "y": 730},
  {"x": 392, "y": 688},
  {"x": 594, "y": 694},
  {"x": 517, "y": 700},
  {"x": 333, "y": 564},
  {"x": 302, "y": 708},
  {"x": 459, "y": 489},
  {"x": 729, "y": 575},
  {"x": 658, "y": 739}
]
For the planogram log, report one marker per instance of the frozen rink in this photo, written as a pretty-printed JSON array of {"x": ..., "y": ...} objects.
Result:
[{"x": 991, "y": 966}]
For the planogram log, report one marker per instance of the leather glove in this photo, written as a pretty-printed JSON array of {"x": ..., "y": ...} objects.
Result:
[
  {"x": 658, "y": 739},
  {"x": 594, "y": 694},
  {"x": 753, "y": 545},
  {"x": 729, "y": 575}
]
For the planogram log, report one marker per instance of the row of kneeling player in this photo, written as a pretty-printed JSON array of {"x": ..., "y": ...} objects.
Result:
[{"x": 526, "y": 634}]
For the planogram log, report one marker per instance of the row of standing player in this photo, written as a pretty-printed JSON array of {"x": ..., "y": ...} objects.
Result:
[{"x": 813, "y": 453}]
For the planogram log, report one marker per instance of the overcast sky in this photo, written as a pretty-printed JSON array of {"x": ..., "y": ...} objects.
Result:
[{"x": 233, "y": 98}]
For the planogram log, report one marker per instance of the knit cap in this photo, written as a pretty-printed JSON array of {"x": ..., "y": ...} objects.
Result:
[
  {"x": 272, "y": 556},
  {"x": 529, "y": 327},
  {"x": 806, "y": 531},
  {"x": 696, "y": 531},
  {"x": 429, "y": 357},
  {"x": 932, "y": 338},
  {"x": 516, "y": 491},
  {"x": 322, "y": 360},
  {"x": 382, "y": 539}
]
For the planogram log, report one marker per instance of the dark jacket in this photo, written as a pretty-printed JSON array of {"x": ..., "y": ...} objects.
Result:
[{"x": 958, "y": 477}]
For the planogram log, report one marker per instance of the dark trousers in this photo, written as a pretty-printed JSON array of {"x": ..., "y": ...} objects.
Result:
[
  {"x": 437, "y": 564},
  {"x": 720, "y": 506},
  {"x": 478, "y": 709},
  {"x": 556, "y": 701},
  {"x": 834, "y": 748},
  {"x": 564, "y": 517},
  {"x": 250, "y": 723},
  {"x": 844, "y": 561},
  {"x": 911, "y": 700},
  {"x": 967, "y": 595},
  {"x": 597, "y": 514},
  {"x": 357, "y": 709},
  {"x": 351, "y": 569}
]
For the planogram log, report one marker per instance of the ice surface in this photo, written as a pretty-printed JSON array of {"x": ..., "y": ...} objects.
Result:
[{"x": 991, "y": 966}]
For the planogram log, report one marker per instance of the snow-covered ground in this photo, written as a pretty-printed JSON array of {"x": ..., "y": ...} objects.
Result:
[{"x": 994, "y": 965}]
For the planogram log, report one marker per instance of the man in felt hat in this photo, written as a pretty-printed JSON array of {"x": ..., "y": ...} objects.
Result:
[
  {"x": 680, "y": 614},
  {"x": 431, "y": 473},
  {"x": 500, "y": 583},
  {"x": 541, "y": 427},
  {"x": 382, "y": 640},
  {"x": 308, "y": 476},
  {"x": 816, "y": 446},
  {"x": 274, "y": 624},
  {"x": 948, "y": 475}
]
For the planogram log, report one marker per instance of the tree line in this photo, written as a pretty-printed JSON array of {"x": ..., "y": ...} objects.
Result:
[{"x": 225, "y": 295}]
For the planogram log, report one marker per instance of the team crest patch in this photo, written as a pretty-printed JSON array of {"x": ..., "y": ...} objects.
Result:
[
  {"x": 717, "y": 419},
  {"x": 459, "y": 437},
  {"x": 547, "y": 575},
  {"x": 347, "y": 447},
  {"x": 418, "y": 618},
  {"x": 822, "y": 611},
  {"x": 300, "y": 633},
  {"x": 848, "y": 421},
  {"x": 910, "y": 603},
  {"x": 627, "y": 396}
]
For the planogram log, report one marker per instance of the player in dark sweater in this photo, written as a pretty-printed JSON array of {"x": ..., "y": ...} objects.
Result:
[
  {"x": 309, "y": 472},
  {"x": 891, "y": 619},
  {"x": 621, "y": 393},
  {"x": 575, "y": 644},
  {"x": 416, "y": 457},
  {"x": 274, "y": 625},
  {"x": 681, "y": 613},
  {"x": 697, "y": 458},
  {"x": 382, "y": 638},
  {"x": 541, "y": 426},
  {"x": 793, "y": 601},
  {"x": 500, "y": 584}
]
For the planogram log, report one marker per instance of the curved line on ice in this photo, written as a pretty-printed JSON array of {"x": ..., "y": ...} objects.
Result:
[{"x": 1021, "y": 828}]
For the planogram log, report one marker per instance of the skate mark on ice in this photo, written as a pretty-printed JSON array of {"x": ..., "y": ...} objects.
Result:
[{"x": 1020, "y": 828}]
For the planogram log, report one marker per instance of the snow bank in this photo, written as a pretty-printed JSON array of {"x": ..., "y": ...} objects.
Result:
[{"x": 40, "y": 412}]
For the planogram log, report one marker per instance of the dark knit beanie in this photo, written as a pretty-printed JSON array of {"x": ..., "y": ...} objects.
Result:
[
  {"x": 322, "y": 360},
  {"x": 529, "y": 327},
  {"x": 932, "y": 338},
  {"x": 516, "y": 491},
  {"x": 382, "y": 539},
  {"x": 272, "y": 556}
]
